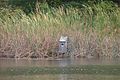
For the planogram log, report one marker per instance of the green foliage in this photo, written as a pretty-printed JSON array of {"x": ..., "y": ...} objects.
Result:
[
  {"x": 25, "y": 5},
  {"x": 54, "y": 3},
  {"x": 94, "y": 25},
  {"x": 30, "y": 6},
  {"x": 93, "y": 15}
]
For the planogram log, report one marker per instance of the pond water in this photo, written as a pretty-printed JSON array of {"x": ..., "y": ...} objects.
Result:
[{"x": 14, "y": 69}]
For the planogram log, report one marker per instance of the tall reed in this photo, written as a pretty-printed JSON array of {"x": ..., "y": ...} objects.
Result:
[{"x": 94, "y": 31}]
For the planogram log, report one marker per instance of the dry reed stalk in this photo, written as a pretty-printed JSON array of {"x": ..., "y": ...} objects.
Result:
[{"x": 83, "y": 45}]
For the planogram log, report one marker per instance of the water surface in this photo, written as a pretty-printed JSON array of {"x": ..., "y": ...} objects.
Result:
[{"x": 23, "y": 69}]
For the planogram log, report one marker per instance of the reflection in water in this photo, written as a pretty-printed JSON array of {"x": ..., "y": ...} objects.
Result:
[
  {"x": 64, "y": 63},
  {"x": 61, "y": 77},
  {"x": 54, "y": 63}
]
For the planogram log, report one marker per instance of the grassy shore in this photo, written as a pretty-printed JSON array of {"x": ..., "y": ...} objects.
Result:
[{"x": 93, "y": 30}]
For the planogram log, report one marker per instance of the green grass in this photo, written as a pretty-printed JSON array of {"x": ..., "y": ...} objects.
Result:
[{"x": 93, "y": 29}]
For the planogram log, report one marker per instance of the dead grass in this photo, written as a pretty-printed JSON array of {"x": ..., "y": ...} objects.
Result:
[{"x": 37, "y": 35}]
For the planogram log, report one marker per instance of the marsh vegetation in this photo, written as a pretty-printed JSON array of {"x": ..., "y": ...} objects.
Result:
[{"x": 93, "y": 28}]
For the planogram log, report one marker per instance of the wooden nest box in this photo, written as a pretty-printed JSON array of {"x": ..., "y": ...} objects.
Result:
[{"x": 63, "y": 44}]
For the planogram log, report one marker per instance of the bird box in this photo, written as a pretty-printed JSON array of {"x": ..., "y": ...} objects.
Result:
[{"x": 63, "y": 44}]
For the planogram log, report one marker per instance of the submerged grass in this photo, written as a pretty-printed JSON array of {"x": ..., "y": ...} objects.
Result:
[
  {"x": 82, "y": 69},
  {"x": 94, "y": 30},
  {"x": 61, "y": 76}
]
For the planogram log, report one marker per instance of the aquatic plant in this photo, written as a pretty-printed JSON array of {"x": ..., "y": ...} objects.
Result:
[{"x": 94, "y": 31}]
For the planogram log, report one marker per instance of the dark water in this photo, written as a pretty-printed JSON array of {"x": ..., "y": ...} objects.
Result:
[{"x": 15, "y": 63}]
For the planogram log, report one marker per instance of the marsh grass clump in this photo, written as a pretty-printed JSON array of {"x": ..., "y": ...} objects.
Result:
[{"x": 94, "y": 30}]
